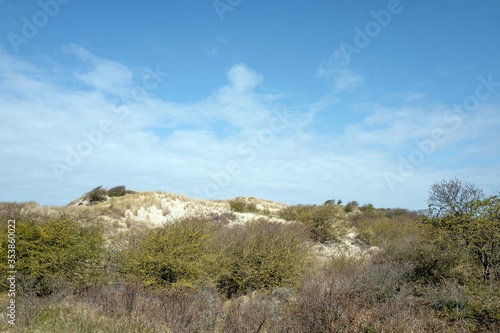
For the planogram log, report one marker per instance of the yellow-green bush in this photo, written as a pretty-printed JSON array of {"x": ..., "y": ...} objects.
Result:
[
  {"x": 240, "y": 205},
  {"x": 407, "y": 241},
  {"x": 54, "y": 252},
  {"x": 322, "y": 221},
  {"x": 190, "y": 252},
  {"x": 178, "y": 254},
  {"x": 263, "y": 255}
]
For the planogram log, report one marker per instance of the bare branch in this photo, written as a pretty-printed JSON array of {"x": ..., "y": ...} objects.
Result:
[{"x": 453, "y": 197}]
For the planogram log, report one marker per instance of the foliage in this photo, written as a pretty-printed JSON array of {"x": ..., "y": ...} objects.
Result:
[
  {"x": 96, "y": 195},
  {"x": 367, "y": 208},
  {"x": 177, "y": 254},
  {"x": 54, "y": 252},
  {"x": 405, "y": 240},
  {"x": 212, "y": 275},
  {"x": 476, "y": 230},
  {"x": 240, "y": 205},
  {"x": 100, "y": 194},
  {"x": 321, "y": 221},
  {"x": 239, "y": 259},
  {"x": 118, "y": 191},
  {"x": 353, "y": 203},
  {"x": 263, "y": 255},
  {"x": 349, "y": 208}
]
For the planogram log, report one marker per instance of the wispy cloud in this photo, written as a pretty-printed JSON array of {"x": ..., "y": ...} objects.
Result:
[
  {"x": 338, "y": 72},
  {"x": 117, "y": 77},
  {"x": 182, "y": 147}
]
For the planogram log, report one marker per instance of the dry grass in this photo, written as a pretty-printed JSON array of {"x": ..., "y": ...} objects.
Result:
[
  {"x": 413, "y": 284},
  {"x": 344, "y": 297}
]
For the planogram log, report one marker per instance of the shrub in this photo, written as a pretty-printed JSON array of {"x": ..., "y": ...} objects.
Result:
[
  {"x": 263, "y": 255},
  {"x": 55, "y": 252},
  {"x": 118, "y": 191},
  {"x": 351, "y": 206},
  {"x": 178, "y": 254},
  {"x": 476, "y": 230},
  {"x": 240, "y": 205},
  {"x": 404, "y": 240},
  {"x": 224, "y": 218},
  {"x": 255, "y": 313},
  {"x": 353, "y": 203},
  {"x": 96, "y": 195},
  {"x": 328, "y": 302},
  {"x": 367, "y": 208},
  {"x": 321, "y": 221}
]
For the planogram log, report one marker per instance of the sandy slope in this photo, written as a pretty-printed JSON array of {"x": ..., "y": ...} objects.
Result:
[{"x": 154, "y": 209}]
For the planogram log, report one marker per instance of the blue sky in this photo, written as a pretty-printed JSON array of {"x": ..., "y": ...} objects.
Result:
[{"x": 292, "y": 101}]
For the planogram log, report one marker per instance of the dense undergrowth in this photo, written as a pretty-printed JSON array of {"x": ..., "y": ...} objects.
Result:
[{"x": 200, "y": 275}]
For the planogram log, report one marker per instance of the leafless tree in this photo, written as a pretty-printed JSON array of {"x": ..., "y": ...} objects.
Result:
[{"x": 453, "y": 197}]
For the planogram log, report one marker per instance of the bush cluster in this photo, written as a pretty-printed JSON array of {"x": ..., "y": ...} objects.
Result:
[
  {"x": 260, "y": 255},
  {"x": 178, "y": 254},
  {"x": 100, "y": 194},
  {"x": 54, "y": 253},
  {"x": 241, "y": 205},
  {"x": 432, "y": 273},
  {"x": 323, "y": 222}
]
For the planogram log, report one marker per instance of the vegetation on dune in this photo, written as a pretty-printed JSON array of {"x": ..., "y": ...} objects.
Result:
[
  {"x": 435, "y": 272},
  {"x": 259, "y": 255},
  {"x": 262, "y": 255},
  {"x": 178, "y": 254},
  {"x": 54, "y": 253},
  {"x": 100, "y": 194},
  {"x": 240, "y": 205},
  {"x": 323, "y": 222}
]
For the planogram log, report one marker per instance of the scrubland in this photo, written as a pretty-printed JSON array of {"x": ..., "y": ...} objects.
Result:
[{"x": 324, "y": 268}]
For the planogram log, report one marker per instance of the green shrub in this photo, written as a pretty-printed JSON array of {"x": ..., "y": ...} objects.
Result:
[
  {"x": 476, "y": 231},
  {"x": 240, "y": 205},
  {"x": 96, "y": 195},
  {"x": 118, "y": 191},
  {"x": 178, "y": 254},
  {"x": 55, "y": 252},
  {"x": 367, "y": 208},
  {"x": 263, "y": 255},
  {"x": 322, "y": 221},
  {"x": 426, "y": 255},
  {"x": 351, "y": 206}
]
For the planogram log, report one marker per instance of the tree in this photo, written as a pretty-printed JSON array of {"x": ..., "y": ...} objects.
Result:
[
  {"x": 473, "y": 222},
  {"x": 453, "y": 197},
  {"x": 478, "y": 232}
]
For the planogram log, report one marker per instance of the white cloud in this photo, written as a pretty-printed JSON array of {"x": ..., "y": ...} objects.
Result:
[
  {"x": 336, "y": 70},
  {"x": 187, "y": 147},
  {"x": 243, "y": 78},
  {"x": 101, "y": 74}
]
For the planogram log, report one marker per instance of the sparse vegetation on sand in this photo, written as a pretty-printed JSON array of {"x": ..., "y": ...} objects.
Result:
[{"x": 249, "y": 265}]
